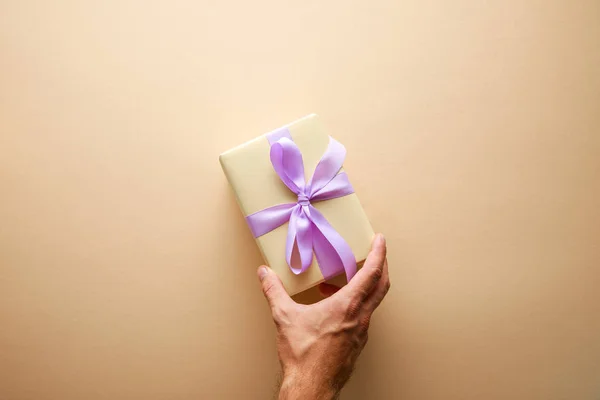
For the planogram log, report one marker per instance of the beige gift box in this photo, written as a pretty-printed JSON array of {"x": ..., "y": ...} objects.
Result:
[{"x": 256, "y": 186}]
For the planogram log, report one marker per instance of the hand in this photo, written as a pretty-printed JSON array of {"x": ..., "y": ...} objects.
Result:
[{"x": 318, "y": 344}]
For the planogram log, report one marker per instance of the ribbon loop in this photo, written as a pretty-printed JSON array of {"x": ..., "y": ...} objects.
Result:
[
  {"x": 287, "y": 162},
  {"x": 299, "y": 238},
  {"x": 328, "y": 167}
]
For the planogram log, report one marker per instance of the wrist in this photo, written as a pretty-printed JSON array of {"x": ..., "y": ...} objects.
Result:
[{"x": 297, "y": 386}]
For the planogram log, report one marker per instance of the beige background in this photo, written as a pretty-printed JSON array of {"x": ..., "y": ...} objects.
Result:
[{"x": 473, "y": 131}]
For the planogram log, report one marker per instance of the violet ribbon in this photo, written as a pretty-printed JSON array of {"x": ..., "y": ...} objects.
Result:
[{"x": 308, "y": 229}]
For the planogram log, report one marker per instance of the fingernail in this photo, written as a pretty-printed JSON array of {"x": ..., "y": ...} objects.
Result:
[
  {"x": 381, "y": 239},
  {"x": 262, "y": 272}
]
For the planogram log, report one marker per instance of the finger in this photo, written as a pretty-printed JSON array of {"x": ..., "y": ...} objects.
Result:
[
  {"x": 273, "y": 288},
  {"x": 370, "y": 274},
  {"x": 327, "y": 289},
  {"x": 383, "y": 286}
]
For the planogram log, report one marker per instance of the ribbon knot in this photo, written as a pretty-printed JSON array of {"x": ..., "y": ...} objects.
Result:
[
  {"x": 303, "y": 199},
  {"x": 308, "y": 230}
]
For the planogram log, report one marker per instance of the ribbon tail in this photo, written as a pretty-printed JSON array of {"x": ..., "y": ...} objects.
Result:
[
  {"x": 299, "y": 238},
  {"x": 264, "y": 221},
  {"x": 333, "y": 253}
]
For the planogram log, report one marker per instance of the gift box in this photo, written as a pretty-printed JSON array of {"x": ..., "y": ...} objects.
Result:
[{"x": 301, "y": 208}]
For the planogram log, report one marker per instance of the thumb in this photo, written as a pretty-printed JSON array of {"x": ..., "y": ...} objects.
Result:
[{"x": 273, "y": 288}]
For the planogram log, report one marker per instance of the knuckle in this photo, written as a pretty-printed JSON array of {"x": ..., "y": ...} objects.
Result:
[
  {"x": 361, "y": 294},
  {"x": 353, "y": 307},
  {"x": 364, "y": 324},
  {"x": 268, "y": 288},
  {"x": 376, "y": 274}
]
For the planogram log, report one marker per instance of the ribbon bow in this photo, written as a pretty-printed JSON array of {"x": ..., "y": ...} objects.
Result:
[{"x": 308, "y": 229}]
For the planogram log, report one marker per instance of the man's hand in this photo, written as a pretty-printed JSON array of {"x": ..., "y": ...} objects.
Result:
[{"x": 318, "y": 344}]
